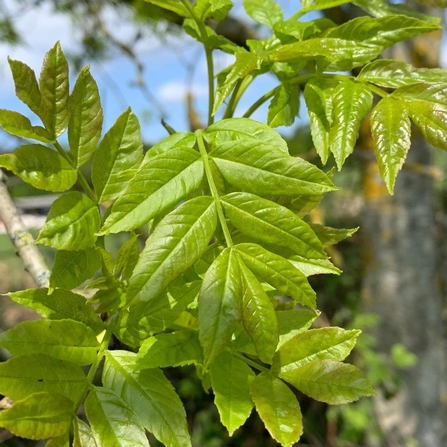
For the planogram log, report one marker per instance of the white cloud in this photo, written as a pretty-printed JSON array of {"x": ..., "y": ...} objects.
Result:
[{"x": 175, "y": 91}]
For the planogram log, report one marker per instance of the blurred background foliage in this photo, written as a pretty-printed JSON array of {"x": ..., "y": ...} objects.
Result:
[{"x": 397, "y": 352}]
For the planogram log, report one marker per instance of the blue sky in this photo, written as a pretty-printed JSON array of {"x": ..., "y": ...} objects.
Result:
[{"x": 166, "y": 69}]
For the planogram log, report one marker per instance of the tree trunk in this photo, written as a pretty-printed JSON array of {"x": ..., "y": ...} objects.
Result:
[{"x": 400, "y": 285}]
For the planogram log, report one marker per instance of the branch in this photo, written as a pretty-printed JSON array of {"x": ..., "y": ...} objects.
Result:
[{"x": 21, "y": 238}]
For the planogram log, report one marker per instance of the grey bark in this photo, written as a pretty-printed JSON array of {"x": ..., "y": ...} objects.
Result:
[{"x": 401, "y": 285}]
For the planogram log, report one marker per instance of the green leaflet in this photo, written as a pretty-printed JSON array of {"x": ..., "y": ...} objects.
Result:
[
  {"x": 284, "y": 106},
  {"x": 61, "y": 304},
  {"x": 278, "y": 408},
  {"x": 311, "y": 5},
  {"x": 273, "y": 224},
  {"x": 329, "y": 236},
  {"x": 431, "y": 92},
  {"x": 54, "y": 87},
  {"x": 117, "y": 157},
  {"x": 174, "y": 349},
  {"x": 330, "y": 343},
  {"x": 351, "y": 103},
  {"x": 318, "y": 94},
  {"x": 327, "y": 50},
  {"x": 245, "y": 64},
  {"x": 313, "y": 266},
  {"x": 292, "y": 322},
  {"x": 39, "y": 416},
  {"x": 29, "y": 374},
  {"x": 391, "y": 131},
  {"x": 112, "y": 421},
  {"x": 85, "y": 124},
  {"x": 26, "y": 87},
  {"x": 176, "y": 243},
  {"x": 278, "y": 272},
  {"x": 393, "y": 74},
  {"x": 160, "y": 183},
  {"x": 71, "y": 224},
  {"x": 59, "y": 441},
  {"x": 83, "y": 434},
  {"x": 150, "y": 395},
  {"x": 179, "y": 139},
  {"x": 258, "y": 315},
  {"x": 127, "y": 258},
  {"x": 67, "y": 340},
  {"x": 213, "y": 9},
  {"x": 231, "y": 378},
  {"x": 220, "y": 310},
  {"x": 41, "y": 167},
  {"x": 267, "y": 12},
  {"x": 382, "y": 32},
  {"x": 172, "y": 5},
  {"x": 20, "y": 126},
  {"x": 242, "y": 129},
  {"x": 71, "y": 269},
  {"x": 251, "y": 165},
  {"x": 330, "y": 381}
]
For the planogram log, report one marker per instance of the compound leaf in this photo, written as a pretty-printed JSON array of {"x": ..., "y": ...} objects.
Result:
[{"x": 150, "y": 395}]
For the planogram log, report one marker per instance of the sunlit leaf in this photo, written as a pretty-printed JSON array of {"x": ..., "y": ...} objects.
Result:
[
  {"x": 71, "y": 224},
  {"x": 20, "y": 126},
  {"x": 41, "y": 167},
  {"x": 267, "y": 12},
  {"x": 39, "y": 416},
  {"x": 83, "y": 435},
  {"x": 283, "y": 108}
]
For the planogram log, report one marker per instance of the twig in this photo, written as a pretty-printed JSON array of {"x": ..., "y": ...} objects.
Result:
[{"x": 21, "y": 237}]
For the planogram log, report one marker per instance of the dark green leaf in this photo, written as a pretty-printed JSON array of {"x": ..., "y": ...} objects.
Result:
[
  {"x": 278, "y": 408},
  {"x": 62, "y": 339},
  {"x": 284, "y": 107},
  {"x": 85, "y": 125},
  {"x": 273, "y": 224},
  {"x": 71, "y": 269},
  {"x": 29, "y": 374},
  {"x": 71, "y": 224},
  {"x": 258, "y": 315},
  {"x": 278, "y": 272},
  {"x": 39, "y": 416},
  {"x": 220, "y": 310},
  {"x": 176, "y": 243},
  {"x": 351, "y": 103},
  {"x": 394, "y": 74},
  {"x": 60, "y": 305},
  {"x": 330, "y": 381},
  {"x": 118, "y": 157},
  {"x": 41, "y": 167},
  {"x": 391, "y": 131},
  {"x": 231, "y": 377},
  {"x": 150, "y": 395},
  {"x": 112, "y": 421},
  {"x": 160, "y": 183},
  {"x": 20, "y": 126},
  {"x": 54, "y": 86},
  {"x": 267, "y": 12},
  {"x": 174, "y": 349}
]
